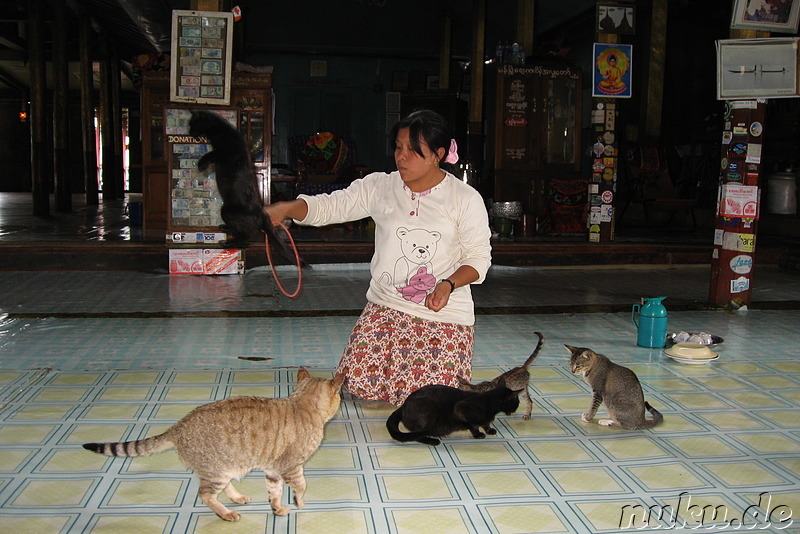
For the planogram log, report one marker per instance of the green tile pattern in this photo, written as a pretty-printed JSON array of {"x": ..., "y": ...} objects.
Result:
[{"x": 731, "y": 433}]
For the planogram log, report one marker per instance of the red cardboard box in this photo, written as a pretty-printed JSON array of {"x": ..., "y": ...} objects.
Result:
[{"x": 205, "y": 261}]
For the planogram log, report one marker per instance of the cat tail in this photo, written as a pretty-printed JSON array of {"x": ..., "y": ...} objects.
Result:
[
  {"x": 535, "y": 352},
  {"x": 277, "y": 244},
  {"x": 141, "y": 447},
  {"x": 393, "y": 426},
  {"x": 657, "y": 417},
  {"x": 464, "y": 384}
]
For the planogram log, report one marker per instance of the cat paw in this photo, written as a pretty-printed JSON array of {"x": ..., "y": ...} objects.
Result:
[
  {"x": 231, "y": 516},
  {"x": 281, "y": 510},
  {"x": 587, "y": 417},
  {"x": 479, "y": 435},
  {"x": 606, "y": 422},
  {"x": 242, "y": 499},
  {"x": 526, "y": 416},
  {"x": 491, "y": 431},
  {"x": 299, "y": 501}
]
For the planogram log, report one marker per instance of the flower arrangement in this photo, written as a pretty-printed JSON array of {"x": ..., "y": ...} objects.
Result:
[{"x": 324, "y": 152}]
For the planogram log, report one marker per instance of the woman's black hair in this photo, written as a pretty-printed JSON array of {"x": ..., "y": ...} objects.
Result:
[{"x": 428, "y": 126}]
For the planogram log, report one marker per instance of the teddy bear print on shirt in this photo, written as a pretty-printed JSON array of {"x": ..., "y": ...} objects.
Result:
[
  {"x": 413, "y": 272},
  {"x": 418, "y": 286}
]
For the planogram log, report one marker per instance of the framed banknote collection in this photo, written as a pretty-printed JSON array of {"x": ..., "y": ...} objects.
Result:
[{"x": 201, "y": 57}]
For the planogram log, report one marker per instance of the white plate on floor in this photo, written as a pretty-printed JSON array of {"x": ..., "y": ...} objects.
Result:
[
  {"x": 691, "y": 353},
  {"x": 691, "y": 361}
]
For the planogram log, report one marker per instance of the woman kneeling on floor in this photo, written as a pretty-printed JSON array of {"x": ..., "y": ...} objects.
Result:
[{"x": 432, "y": 240}]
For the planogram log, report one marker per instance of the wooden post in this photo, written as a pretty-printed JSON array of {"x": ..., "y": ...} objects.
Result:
[
  {"x": 116, "y": 121},
  {"x": 40, "y": 185},
  {"x": 87, "y": 114},
  {"x": 525, "y": 27},
  {"x": 654, "y": 92},
  {"x": 61, "y": 174},
  {"x": 445, "y": 51},
  {"x": 605, "y": 162},
  {"x": 106, "y": 122},
  {"x": 475, "y": 124},
  {"x": 738, "y": 198},
  {"x": 737, "y": 204}
]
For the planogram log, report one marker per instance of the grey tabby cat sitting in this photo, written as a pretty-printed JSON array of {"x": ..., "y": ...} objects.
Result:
[{"x": 615, "y": 385}]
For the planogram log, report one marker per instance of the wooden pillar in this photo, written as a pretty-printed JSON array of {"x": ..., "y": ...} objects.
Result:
[
  {"x": 106, "y": 122},
  {"x": 525, "y": 29},
  {"x": 116, "y": 121},
  {"x": 654, "y": 91},
  {"x": 206, "y": 5},
  {"x": 40, "y": 185},
  {"x": 737, "y": 220},
  {"x": 605, "y": 162},
  {"x": 445, "y": 51},
  {"x": 732, "y": 259},
  {"x": 475, "y": 124},
  {"x": 87, "y": 114},
  {"x": 61, "y": 174}
]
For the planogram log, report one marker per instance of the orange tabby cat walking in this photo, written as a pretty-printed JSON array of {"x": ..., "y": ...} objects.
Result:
[{"x": 227, "y": 439}]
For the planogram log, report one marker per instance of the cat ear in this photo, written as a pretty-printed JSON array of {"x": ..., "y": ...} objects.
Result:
[
  {"x": 303, "y": 374},
  {"x": 338, "y": 381},
  {"x": 570, "y": 348}
]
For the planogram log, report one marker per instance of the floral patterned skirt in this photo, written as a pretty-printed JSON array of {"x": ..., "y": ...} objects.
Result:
[{"x": 390, "y": 354}]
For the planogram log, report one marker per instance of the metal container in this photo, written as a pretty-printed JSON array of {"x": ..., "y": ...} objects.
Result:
[
  {"x": 782, "y": 193},
  {"x": 508, "y": 210}
]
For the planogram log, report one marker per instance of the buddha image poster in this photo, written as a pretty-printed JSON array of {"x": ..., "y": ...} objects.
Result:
[{"x": 612, "y": 72}]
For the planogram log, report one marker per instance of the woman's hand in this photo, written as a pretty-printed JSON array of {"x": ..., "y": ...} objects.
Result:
[
  {"x": 439, "y": 297},
  {"x": 291, "y": 209}
]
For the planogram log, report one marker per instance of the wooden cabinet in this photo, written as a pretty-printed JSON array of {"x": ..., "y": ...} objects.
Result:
[
  {"x": 533, "y": 129},
  {"x": 251, "y": 97}
]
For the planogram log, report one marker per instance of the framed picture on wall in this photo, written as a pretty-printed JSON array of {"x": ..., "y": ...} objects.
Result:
[
  {"x": 779, "y": 16},
  {"x": 612, "y": 70},
  {"x": 200, "y": 70},
  {"x": 757, "y": 68}
]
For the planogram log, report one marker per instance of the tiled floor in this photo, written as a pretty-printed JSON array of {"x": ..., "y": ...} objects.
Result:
[
  {"x": 731, "y": 429},
  {"x": 92, "y": 356}
]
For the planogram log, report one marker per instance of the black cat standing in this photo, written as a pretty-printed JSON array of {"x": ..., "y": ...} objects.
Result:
[
  {"x": 242, "y": 205},
  {"x": 438, "y": 410}
]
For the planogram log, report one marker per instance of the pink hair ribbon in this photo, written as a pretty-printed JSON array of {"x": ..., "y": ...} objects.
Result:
[{"x": 452, "y": 154}]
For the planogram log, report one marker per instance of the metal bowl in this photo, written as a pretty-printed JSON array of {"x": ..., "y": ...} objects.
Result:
[
  {"x": 510, "y": 210},
  {"x": 701, "y": 338}
]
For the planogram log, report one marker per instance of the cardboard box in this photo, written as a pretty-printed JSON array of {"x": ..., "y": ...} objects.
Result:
[{"x": 205, "y": 261}]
